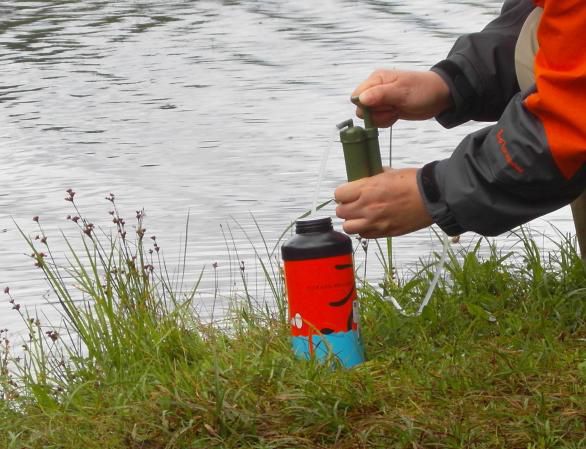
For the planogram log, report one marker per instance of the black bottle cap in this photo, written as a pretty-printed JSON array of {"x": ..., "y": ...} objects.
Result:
[
  {"x": 306, "y": 225},
  {"x": 315, "y": 238}
]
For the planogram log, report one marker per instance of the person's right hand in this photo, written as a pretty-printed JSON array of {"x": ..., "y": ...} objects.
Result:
[{"x": 395, "y": 94}]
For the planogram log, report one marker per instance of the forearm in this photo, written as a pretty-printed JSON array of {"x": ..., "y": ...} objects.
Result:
[
  {"x": 498, "y": 178},
  {"x": 480, "y": 68}
]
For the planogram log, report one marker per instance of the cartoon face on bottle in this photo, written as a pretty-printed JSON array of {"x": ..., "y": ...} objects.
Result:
[{"x": 297, "y": 321}]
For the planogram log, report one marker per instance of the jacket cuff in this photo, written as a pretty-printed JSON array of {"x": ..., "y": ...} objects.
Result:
[
  {"x": 461, "y": 90},
  {"x": 429, "y": 181}
]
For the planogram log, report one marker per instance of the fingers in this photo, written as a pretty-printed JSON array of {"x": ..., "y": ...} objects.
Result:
[
  {"x": 348, "y": 211},
  {"x": 356, "y": 226},
  {"x": 382, "y": 94},
  {"x": 381, "y": 119},
  {"x": 376, "y": 78},
  {"x": 350, "y": 208},
  {"x": 347, "y": 196},
  {"x": 378, "y": 88},
  {"x": 387, "y": 95},
  {"x": 388, "y": 204},
  {"x": 350, "y": 192},
  {"x": 364, "y": 227}
]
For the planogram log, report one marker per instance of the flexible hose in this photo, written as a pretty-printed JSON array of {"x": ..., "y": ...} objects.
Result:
[
  {"x": 440, "y": 265},
  {"x": 432, "y": 285}
]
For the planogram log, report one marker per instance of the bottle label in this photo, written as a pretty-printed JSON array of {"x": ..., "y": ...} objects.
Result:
[{"x": 323, "y": 312}]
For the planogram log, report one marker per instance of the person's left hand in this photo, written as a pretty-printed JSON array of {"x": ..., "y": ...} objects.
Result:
[{"x": 385, "y": 205}]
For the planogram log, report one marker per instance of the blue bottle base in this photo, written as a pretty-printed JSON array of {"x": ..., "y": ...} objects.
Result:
[{"x": 345, "y": 346}]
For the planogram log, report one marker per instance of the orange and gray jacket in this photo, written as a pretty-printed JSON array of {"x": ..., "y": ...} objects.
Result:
[{"x": 531, "y": 161}]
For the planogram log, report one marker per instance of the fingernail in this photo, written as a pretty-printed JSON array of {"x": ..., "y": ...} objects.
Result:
[{"x": 364, "y": 98}]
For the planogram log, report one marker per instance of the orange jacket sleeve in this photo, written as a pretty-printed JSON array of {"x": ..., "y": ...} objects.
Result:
[{"x": 560, "y": 68}]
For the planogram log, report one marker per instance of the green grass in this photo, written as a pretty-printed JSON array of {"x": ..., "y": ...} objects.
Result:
[{"x": 497, "y": 360}]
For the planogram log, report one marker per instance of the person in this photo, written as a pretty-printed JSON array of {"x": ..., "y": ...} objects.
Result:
[{"x": 529, "y": 163}]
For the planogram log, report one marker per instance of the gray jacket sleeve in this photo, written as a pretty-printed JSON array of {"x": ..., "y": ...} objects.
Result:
[
  {"x": 498, "y": 178},
  {"x": 480, "y": 68}
]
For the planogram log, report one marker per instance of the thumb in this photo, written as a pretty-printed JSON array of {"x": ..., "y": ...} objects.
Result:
[{"x": 381, "y": 96}]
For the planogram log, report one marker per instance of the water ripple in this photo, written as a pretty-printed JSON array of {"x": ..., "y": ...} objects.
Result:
[{"x": 219, "y": 110}]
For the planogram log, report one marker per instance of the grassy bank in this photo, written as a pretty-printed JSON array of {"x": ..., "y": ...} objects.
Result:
[{"x": 498, "y": 360}]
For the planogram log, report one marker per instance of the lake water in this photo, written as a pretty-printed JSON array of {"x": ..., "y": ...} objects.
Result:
[{"x": 216, "y": 109}]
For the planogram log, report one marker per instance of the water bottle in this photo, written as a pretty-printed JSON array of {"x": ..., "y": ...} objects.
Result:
[{"x": 321, "y": 293}]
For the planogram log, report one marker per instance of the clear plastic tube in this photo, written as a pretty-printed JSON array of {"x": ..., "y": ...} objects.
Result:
[
  {"x": 322, "y": 171},
  {"x": 432, "y": 285}
]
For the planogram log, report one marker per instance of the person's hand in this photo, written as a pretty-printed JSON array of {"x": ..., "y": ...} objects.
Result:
[
  {"x": 385, "y": 205},
  {"x": 395, "y": 94}
]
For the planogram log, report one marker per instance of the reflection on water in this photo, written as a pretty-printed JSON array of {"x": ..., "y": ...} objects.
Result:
[{"x": 219, "y": 110}]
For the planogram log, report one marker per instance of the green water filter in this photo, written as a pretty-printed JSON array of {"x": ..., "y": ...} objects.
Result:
[
  {"x": 355, "y": 146},
  {"x": 373, "y": 148},
  {"x": 361, "y": 147}
]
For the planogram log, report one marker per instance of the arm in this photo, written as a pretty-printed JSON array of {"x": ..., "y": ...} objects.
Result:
[
  {"x": 532, "y": 161},
  {"x": 528, "y": 164},
  {"x": 480, "y": 68}
]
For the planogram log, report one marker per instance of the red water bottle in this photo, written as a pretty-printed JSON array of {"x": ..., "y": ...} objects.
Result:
[{"x": 321, "y": 292}]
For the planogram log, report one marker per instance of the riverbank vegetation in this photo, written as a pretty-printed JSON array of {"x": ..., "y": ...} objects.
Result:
[{"x": 497, "y": 360}]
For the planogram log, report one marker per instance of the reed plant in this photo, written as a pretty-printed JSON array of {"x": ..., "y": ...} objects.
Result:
[{"x": 497, "y": 360}]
